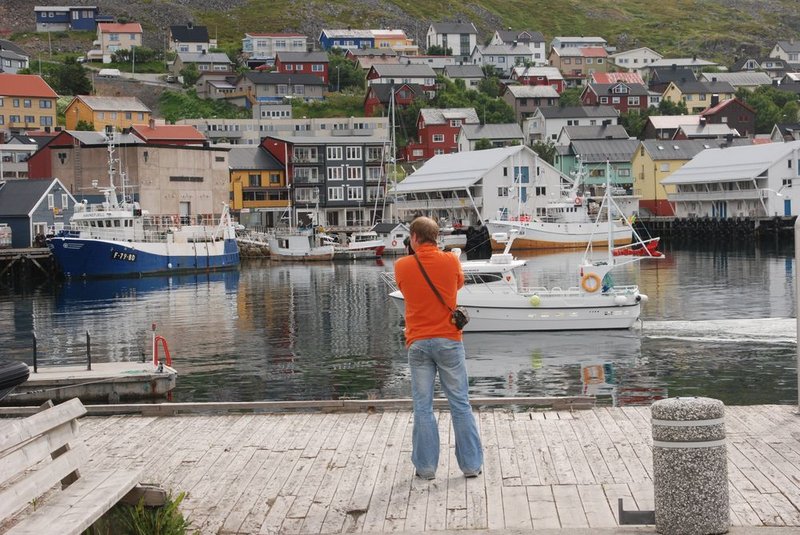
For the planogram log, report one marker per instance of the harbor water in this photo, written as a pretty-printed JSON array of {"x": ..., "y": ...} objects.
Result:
[{"x": 719, "y": 323}]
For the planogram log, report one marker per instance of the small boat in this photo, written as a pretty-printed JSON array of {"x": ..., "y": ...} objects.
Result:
[
  {"x": 572, "y": 221},
  {"x": 360, "y": 245},
  {"x": 299, "y": 246},
  {"x": 645, "y": 248},
  {"x": 118, "y": 238},
  {"x": 393, "y": 236},
  {"x": 497, "y": 302},
  {"x": 12, "y": 374}
]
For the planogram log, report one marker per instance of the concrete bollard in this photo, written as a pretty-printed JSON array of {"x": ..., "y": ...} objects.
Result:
[{"x": 690, "y": 470}]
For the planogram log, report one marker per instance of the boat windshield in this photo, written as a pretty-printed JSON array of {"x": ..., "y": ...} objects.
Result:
[{"x": 481, "y": 278}]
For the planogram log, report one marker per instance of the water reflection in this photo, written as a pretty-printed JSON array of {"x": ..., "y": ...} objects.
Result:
[{"x": 718, "y": 323}]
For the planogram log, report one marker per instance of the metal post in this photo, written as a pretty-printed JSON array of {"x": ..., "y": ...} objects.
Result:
[
  {"x": 797, "y": 297},
  {"x": 88, "y": 351},
  {"x": 35, "y": 364}
]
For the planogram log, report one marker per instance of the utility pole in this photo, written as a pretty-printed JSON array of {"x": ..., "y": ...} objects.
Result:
[{"x": 133, "y": 59}]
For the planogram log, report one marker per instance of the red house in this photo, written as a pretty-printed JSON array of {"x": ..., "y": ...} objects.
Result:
[
  {"x": 620, "y": 96},
  {"x": 379, "y": 97},
  {"x": 734, "y": 113},
  {"x": 437, "y": 131},
  {"x": 315, "y": 63}
]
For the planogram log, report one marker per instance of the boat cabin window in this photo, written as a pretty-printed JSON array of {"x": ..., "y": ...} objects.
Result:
[
  {"x": 482, "y": 278},
  {"x": 93, "y": 223},
  {"x": 116, "y": 223}
]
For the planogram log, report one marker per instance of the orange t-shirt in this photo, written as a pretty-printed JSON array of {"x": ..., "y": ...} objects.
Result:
[{"x": 426, "y": 316}]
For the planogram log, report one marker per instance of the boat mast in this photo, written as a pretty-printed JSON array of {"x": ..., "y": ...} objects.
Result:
[
  {"x": 608, "y": 208},
  {"x": 393, "y": 151}
]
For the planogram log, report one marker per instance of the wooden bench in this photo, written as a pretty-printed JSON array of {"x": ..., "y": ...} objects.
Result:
[{"x": 39, "y": 452}]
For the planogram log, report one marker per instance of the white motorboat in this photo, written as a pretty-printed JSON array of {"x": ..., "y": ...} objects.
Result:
[
  {"x": 496, "y": 301},
  {"x": 572, "y": 221},
  {"x": 299, "y": 246},
  {"x": 360, "y": 245}
]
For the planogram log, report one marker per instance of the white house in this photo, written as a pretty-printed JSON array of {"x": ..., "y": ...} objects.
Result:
[
  {"x": 747, "y": 181},
  {"x": 502, "y": 58},
  {"x": 635, "y": 60},
  {"x": 533, "y": 40},
  {"x": 472, "y": 187},
  {"x": 788, "y": 51},
  {"x": 460, "y": 37},
  {"x": 547, "y": 121},
  {"x": 577, "y": 42},
  {"x": 262, "y": 47}
]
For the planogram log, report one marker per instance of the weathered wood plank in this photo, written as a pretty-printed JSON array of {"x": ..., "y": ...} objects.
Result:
[
  {"x": 492, "y": 472},
  {"x": 569, "y": 506},
  {"x": 517, "y": 514},
  {"x": 595, "y": 505},
  {"x": 542, "y": 505}
]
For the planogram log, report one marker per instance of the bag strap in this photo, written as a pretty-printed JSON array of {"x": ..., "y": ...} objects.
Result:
[{"x": 425, "y": 274}]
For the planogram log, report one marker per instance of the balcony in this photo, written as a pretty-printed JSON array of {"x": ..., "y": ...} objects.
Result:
[
  {"x": 305, "y": 179},
  {"x": 305, "y": 159},
  {"x": 439, "y": 204}
]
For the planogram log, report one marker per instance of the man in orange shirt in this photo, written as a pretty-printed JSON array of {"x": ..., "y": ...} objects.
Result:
[{"x": 434, "y": 345}]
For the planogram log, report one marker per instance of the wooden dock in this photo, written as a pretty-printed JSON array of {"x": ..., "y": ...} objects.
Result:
[
  {"x": 106, "y": 382},
  {"x": 335, "y": 472}
]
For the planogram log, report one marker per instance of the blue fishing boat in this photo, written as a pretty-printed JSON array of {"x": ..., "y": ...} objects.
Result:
[{"x": 117, "y": 238}]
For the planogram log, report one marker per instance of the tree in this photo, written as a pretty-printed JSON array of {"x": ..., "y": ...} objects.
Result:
[
  {"x": 635, "y": 121},
  {"x": 455, "y": 95},
  {"x": 546, "y": 150},
  {"x": 667, "y": 107},
  {"x": 483, "y": 144},
  {"x": 570, "y": 97},
  {"x": 85, "y": 126},
  {"x": 190, "y": 75},
  {"x": 771, "y": 105},
  {"x": 72, "y": 79},
  {"x": 437, "y": 50},
  {"x": 344, "y": 74},
  {"x": 490, "y": 86}
]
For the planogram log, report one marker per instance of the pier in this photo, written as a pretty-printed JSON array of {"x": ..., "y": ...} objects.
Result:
[
  {"x": 336, "y": 472},
  {"x": 738, "y": 228},
  {"x": 22, "y": 263}
]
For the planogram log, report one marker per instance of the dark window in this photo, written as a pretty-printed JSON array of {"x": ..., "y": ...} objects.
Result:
[
  {"x": 254, "y": 180},
  {"x": 219, "y": 158},
  {"x": 185, "y": 179}
]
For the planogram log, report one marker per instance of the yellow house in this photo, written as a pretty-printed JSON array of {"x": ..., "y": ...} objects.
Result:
[
  {"x": 117, "y": 112},
  {"x": 655, "y": 160},
  {"x": 259, "y": 192},
  {"x": 26, "y": 103},
  {"x": 114, "y": 36},
  {"x": 397, "y": 40},
  {"x": 698, "y": 96}
]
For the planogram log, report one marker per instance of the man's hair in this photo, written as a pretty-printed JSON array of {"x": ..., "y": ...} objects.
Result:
[{"x": 425, "y": 229}]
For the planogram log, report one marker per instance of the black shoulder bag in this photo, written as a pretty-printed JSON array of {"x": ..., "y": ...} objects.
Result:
[{"x": 458, "y": 315}]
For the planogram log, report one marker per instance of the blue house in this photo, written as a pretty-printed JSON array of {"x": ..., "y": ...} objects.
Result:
[
  {"x": 33, "y": 208},
  {"x": 346, "y": 39},
  {"x": 63, "y": 18}
]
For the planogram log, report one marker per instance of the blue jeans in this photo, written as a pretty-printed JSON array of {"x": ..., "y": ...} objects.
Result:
[{"x": 425, "y": 358}]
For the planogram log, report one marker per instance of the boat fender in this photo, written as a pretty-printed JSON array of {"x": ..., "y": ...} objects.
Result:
[
  {"x": 642, "y": 298},
  {"x": 590, "y": 282},
  {"x": 578, "y": 201},
  {"x": 394, "y": 243},
  {"x": 535, "y": 300},
  {"x": 620, "y": 300}
]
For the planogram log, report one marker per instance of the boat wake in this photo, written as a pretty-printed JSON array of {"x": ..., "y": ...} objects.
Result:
[{"x": 764, "y": 330}]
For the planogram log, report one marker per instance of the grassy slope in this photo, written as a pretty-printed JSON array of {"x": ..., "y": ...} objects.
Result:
[{"x": 713, "y": 28}]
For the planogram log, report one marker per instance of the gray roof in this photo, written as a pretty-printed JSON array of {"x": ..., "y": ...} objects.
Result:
[
  {"x": 361, "y": 34},
  {"x": 454, "y": 27},
  {"x": 789, "y": 46},
  {"x": 98, "y": 138},
  {"x": 532, "y": 91},
  {"x": 732, "y": 163},
  {"x": 13, "y": 47},
  {"x": 456, "y": 171},
  {"x": 672, "y": 122},
  {"x": 463, "y": 71},
  {"x": 600, "y": 150},
  {"x": 738, "y": 78},
  {"x": 18, "y": 197},
  {"x": 492, "y": 131},
  {"x": 698, "y": 130},
  {"x": 681, "y": 62},
  {"x": 509, "y": 36},
  {"x": 552, "y": 73},
  {"x": 682, "y": 149},
  {"x": 252, "y": 158},
  {"x": 317, "y": 57},
  {"x": 385, "y": 228},
  {"x": 189, "y": 33},
  {"x": 199, "y": 57},
  {"x": 405, "y": 69},
  {"x": 358, "y": 52},
  {"x": 611, "y": 131},
  {"x": 114, "y": 103},
  {"x": 441, "y": 116},
  {"x": 579, "y": 112},
  {"x": 383, "y": 92},
  {"x": 274, "y": 78},
  {"x": 664, "y": 75},
  {"x": 705, "y": 87}
]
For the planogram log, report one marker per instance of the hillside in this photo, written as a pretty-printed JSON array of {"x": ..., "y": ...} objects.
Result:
[{"x": 714, "y": 29}]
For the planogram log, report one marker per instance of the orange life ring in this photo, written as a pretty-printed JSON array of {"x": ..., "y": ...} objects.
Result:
[
  {"x": 578, "y": 201},
  {"x": 594, "y": 285},
  {"x": 394, "y": 243}
]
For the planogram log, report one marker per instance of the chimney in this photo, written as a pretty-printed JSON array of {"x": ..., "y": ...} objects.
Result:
[
  {"x": 702, "y": 120},
  {"x": 189, "y": 25},
  {"x": 152, "y": 123},
  {"x": 714, "y": 99}
]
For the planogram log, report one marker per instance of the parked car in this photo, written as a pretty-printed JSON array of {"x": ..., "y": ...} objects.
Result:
[
  {"x": 171, "y": 78},
  {"x": 109, "y": 73}
]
